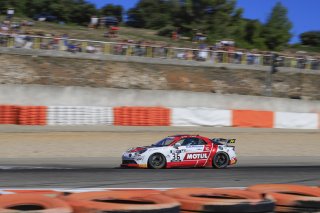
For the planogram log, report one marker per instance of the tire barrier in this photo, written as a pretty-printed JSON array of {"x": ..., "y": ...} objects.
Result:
[
  {"x": 18, "y": 203},
  {"x": 9, "y": 114},
  {"x": 141, "y": 116},
  {"x": 221, "y": 200},
  {"x": 122, "y": 201},
  {"x": 291, "y": 198},
  {"x": 155, "y": 116},
  {"x": 257, "y": 198},
  {"x": 32, "y": 115},
  {"x": 79, "y": 115}
]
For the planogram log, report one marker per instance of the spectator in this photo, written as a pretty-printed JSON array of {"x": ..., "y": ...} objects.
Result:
[
  {"x": 174, "y": 35},
  {"x": 19, "y": 40},
  {"x": 94, "y": 22},
  {"x": 28, "y": 42},
  {"x": 90, "y": 49},
  {"x": 203, "y": 53},
  {"x": 10, "y": 13},
  {"x": 72, "y": 48}
]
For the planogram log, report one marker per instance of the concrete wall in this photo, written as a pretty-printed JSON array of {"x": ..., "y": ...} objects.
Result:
[{"x": 87, "y": 96}]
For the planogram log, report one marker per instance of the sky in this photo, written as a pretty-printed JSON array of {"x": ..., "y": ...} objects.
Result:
[{"x": 304, "y": 14}]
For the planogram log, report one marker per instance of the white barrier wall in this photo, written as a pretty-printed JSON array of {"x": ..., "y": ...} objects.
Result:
[
  {"x": 197, "y": 116},
  {"x": 289, "y": 120},
  {"x": 79, "y": 115},
  {"x": 87, "y": 96}
]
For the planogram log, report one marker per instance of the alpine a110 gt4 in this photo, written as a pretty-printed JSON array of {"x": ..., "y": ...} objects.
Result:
[{"x": 182, "y": 151}]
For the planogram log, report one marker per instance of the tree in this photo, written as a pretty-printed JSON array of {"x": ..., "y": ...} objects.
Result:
[
  {"x": 17, "y": 5},
  {"x": 253, "y": 34},
  {"x": 76, "y": 11},
  {"x": 113, "y": 10},
  {"x": 277, "y": 29},
  {"x": 311, "y": 38},
  {"x": 152, "y": 14}
]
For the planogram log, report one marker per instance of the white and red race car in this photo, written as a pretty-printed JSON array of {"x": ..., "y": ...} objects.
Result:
[{"x": 182, "y": 151}]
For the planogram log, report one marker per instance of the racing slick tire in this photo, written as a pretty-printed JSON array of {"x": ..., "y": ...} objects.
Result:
[
  {"x": 220, "y": 160},
  {"x": 157, "y": 161}
]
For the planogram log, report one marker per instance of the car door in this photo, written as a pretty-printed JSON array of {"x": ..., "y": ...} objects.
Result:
[{"x": 193, "y": 152}]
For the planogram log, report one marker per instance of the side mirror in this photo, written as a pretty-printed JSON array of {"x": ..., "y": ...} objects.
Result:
[{"x": 177, "y": 145}]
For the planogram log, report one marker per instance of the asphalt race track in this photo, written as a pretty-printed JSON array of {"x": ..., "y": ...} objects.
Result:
[
  {"x": 50, "y": 158},
  {"x": 143, "y": 178}
]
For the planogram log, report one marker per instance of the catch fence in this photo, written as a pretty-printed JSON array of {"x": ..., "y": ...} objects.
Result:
[{"x": 154, "y": 51}]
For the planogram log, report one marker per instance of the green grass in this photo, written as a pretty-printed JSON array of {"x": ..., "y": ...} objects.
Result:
[
  {"x": 83, "y": 32},
  {"x": 309, "y": 49}
]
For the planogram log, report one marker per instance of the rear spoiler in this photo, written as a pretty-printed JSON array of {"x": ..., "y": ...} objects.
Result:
[{"x": 223, "y": 140}]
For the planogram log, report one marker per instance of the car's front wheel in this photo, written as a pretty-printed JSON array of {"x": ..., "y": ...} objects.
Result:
[
  {"x": 157, "y": 161},
  {"x": 220, "y": 160}
]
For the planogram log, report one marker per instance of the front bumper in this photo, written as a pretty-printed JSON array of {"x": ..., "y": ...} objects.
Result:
[
  {"x": 132, "y": 164},
  {"x": 233, "y": 161}
]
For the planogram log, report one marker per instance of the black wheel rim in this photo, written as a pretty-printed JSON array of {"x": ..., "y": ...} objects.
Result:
[
  {"x": 157, "y": 160},
  {"x": 221, "y": 160}
]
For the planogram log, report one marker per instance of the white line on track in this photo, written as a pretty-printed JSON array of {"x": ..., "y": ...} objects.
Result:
[
  {"x": 30, "y": 167},
  {"x": 78, "y": 190}
]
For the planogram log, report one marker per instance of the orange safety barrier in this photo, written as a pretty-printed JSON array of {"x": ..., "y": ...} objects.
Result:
[
  {"x": 291, "y": 197},
  {"x": 9, "y": 114},
  {"x": 141, "y": 116},
  {"x": 255, "y": 199},
  {"x": 252, "y": 118},
  {"x": 32, "y": 203},
  {"x": 33, "y": 115},
  {"x": 221, "y": 200},
  {"x": 122, "y": 201}
]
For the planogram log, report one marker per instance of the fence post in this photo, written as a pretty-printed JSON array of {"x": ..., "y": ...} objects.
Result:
[
  {"x": 169, "y": 53},
  {"x": 244, "y": 59},
  {"x": 293, "y": 62},
  {"x": 129, "y": 50},
  {"x": 308, "y": 65},
  {"x": 84, "y": 45},
  {"x": 36, "y": 43},
  {"x": 149, "y": 52},
  {"x": 225, "y": 57},
  {"x": 10, "y": 42},
  {"x": 107, "y": 48},
  {"x": 261, "y": 59}
]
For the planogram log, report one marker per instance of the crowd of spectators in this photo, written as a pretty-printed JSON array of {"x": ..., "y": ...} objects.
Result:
[{"x": 224, "y": 51}]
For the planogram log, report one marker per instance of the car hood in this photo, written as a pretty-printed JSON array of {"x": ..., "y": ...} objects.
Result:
[{"x": 139, "y": 148}]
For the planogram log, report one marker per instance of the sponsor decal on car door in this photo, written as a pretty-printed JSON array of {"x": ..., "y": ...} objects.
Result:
[{"x": 190, "y": 153}]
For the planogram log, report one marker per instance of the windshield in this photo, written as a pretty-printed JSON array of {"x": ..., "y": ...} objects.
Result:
[{"x": 164, "y": 142}]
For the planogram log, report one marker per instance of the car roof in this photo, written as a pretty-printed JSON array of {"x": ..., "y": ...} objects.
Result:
[{"x": 184, "y": 135}]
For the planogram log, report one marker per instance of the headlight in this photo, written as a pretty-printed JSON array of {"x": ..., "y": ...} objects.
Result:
[{"x": 142, "y": 151}]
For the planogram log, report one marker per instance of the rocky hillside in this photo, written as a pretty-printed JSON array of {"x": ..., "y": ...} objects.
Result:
[{"x": 94, "y": 73}]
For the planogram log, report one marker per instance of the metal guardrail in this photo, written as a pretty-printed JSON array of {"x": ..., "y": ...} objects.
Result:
[{"x": 152, "y": 51}]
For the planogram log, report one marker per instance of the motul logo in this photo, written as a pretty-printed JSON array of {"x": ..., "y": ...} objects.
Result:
[{"x": 196, "y": 156}]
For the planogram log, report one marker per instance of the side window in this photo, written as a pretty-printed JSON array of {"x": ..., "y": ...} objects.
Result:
[
  {"x": 181, "y": 141},
  {"x": 201, "y": 142},
  {"x": 191, "y": 141}
]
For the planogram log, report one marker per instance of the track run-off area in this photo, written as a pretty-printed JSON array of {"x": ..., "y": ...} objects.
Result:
[{"x": 89, "y": 157}]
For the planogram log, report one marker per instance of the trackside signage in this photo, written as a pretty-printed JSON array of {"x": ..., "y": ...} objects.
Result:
[{"x": 196, "y": 156}]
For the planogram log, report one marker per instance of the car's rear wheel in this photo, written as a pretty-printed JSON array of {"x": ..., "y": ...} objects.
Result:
[
  {"x": 220, "y": 160},
  {"x": 157, "y": 161}
]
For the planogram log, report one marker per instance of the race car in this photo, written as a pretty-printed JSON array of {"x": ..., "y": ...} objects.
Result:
[{"x": 182, "y": 151}]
